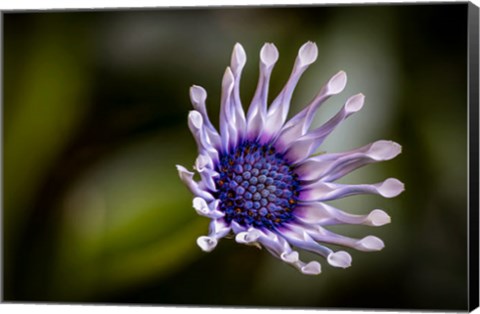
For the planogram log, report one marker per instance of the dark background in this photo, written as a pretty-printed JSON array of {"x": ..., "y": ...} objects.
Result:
[{"x": 94, "y": 118}]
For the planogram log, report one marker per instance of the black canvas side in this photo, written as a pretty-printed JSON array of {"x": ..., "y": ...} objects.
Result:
[{"x": 473, "y": 146}]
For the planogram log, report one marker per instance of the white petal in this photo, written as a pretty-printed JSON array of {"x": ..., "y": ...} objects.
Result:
[
  {"x": 324, "y": 214},
  {"x": 204, "y": 166},
  {"x": 337, "y": 83},
  {"x": 300, "y": 149},
  {"x": 378, "y": 217},
  {"x": 276, "y": 245},
  {"x": 207, "y": 244},
  {"x": 200, "y": 206},
  {"x": 307, "y": 54},
  {"x": 248, "y": 237},
  {"x": 206, "y": 210},
  {"x": 290, "y": 257},
  {"x": 304, "y": 146},
  {"x": 187, "y": 178},
  {"x": 218, "y": 228},
  {"x": 239, "y": 58},
  {"x": 340, "y": 259},
  {"x": 198, "y": 96},
  {"x": 330, "y": 167},
  {"x": 255, "y": 125},
  {"x": 197, "y": 127},
  {"x": 297, "y": 236},
  {"x": 258, "y": 108},
  {"x": 268, "y": 55},
  {"x": 228, "y": 131},
  {"x": 195, "y": 119},
  {"x": 314, "y": 213},
  {"x": 277, "y": 113},
  {"x": 228, "y": 79},
  {"x": 315, "y": 168},
  {"x": 237, "y": 228},
  {"x": 300, "y": 123},
  {"x": 281, "y": 249},
  {"x": 203, "y": 162},
  {"x": 355, "y": 103},
  {"x": 391, "y": 188},
  {"x": 324, "y": 191},
  {"x": 311, "y": 268},
  {"x": 370, "y": 243},
  {"x": 334, "y": 86},
  {"x": 384, "y": 150}
]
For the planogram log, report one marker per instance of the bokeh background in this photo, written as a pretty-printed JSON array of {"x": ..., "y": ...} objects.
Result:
[{"x": 95, "y": 118}]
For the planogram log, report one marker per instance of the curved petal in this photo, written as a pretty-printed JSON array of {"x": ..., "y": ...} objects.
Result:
[
  {"x": 324, "y": 191},
  {"x": 207, "y": 210},
  {"x": 206, "y": 243},
  {"x": 197, "y": 127},
  {"x": 218, "y": 229},
  {"x": 198, "y": 96},
  {"x": 340, "y": 259},
  {"x": 324, "y": 214},
  {"x": 300, "y": 123},
  {"x": 204, "y": 166},
  {"x": 298, "y": 236},
  {"x": 303, "y": 147},
  {"x": 227, "y": 129},
  {"x": 187, "y": 178},
  {"x": 330, "y": 167},
  {"x": 257, "y": 111},
  {"x": 238, "y": 60},
  {"x": 204, "y": 162},
  {"x": 248, "y": 237},
  {"x": 277, "y": 246},
  {"x": 310, "y": 268},
  {"x": 281, "y": 249},
  {"x": 277, "y": 113},
  {"x": 237, "y": 228},
  {"x": 366, "y": 244}
]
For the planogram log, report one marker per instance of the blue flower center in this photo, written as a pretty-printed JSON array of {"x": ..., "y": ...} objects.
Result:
[{"x": 257, "y": 186}]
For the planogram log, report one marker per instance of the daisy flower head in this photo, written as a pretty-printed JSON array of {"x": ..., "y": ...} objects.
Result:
[{"x": 260, "y": 179}]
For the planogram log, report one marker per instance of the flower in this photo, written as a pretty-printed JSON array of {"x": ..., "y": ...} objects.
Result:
[{"x": 260, "y": 179}]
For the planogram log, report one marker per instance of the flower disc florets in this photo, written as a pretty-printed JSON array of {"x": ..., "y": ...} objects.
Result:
[{"x": 256, "y": 186}]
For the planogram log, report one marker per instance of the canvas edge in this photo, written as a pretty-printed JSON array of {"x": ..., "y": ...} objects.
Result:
[{"x": 473, "y": 215}]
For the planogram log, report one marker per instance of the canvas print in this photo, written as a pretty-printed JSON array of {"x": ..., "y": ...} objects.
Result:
[{"x": 274, "y": 156}]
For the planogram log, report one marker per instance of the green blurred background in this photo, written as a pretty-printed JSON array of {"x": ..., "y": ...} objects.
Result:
[{"x": 95, "y": 118}]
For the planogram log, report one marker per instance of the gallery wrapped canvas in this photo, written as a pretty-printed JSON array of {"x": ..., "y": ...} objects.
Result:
[{"x": 317, "y": 156}]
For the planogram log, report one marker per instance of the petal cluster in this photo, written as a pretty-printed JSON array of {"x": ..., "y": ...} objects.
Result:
[{"x": 260, "y": 179}]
